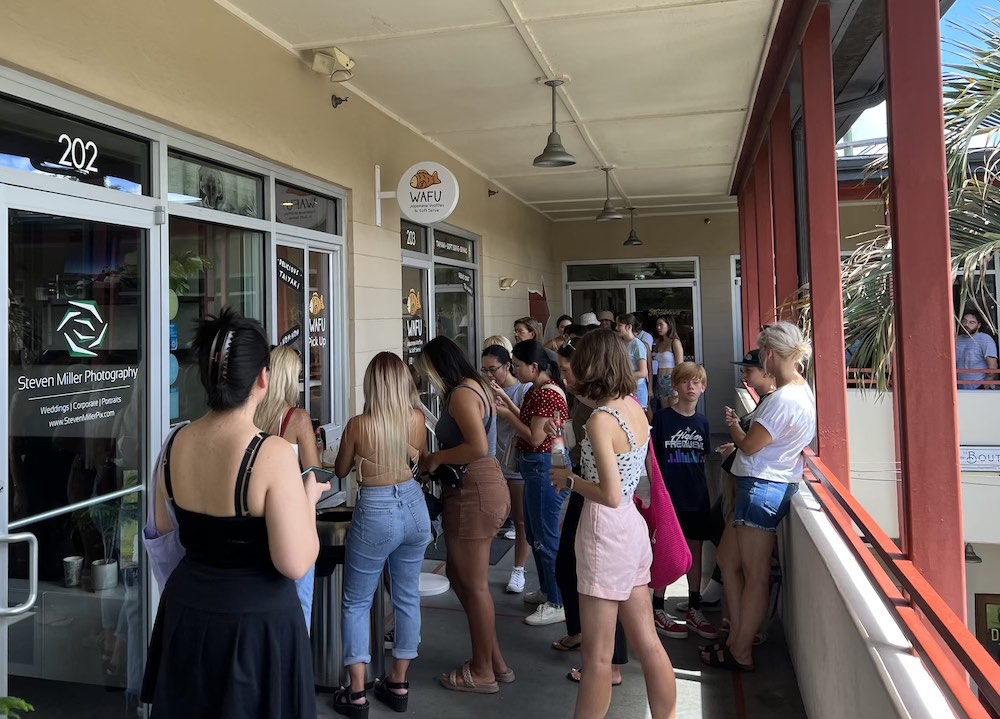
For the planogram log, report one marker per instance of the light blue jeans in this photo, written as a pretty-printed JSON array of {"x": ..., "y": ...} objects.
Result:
[
  {"x": 391, "y": 525},
  {"x": 304, "y": 588},
  {"x": 542, "y": 510}
]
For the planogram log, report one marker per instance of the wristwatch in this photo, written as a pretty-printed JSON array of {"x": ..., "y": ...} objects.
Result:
[{"x": 570, "y": 481}]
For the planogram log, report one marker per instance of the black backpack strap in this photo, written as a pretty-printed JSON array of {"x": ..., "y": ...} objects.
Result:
[
  {"x": 243, "y": 478},
  {"x": 166, "y": 464}
]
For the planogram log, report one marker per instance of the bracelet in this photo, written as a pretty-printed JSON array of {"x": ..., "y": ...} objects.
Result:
[{"x": 570, "y": 481}]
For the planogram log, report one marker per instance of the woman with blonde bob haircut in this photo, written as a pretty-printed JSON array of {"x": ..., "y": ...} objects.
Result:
[
  {"x": 280, "y": 414},
  {"x": 390, "y": 525},
  {"x": 498, "y": 341},
  {"x": 613, "y": 552},
  {"x": 767, "y": 467}
]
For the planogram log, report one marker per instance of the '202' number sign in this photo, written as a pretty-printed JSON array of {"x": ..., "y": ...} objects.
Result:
[{"x": 79, "y": 155}]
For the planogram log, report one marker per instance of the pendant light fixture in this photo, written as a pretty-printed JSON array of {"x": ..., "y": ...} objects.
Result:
[
  {"x": 554, "y": 154},
  {"x": 610, "y": 212},
  {"x": 633, "y": 239}
]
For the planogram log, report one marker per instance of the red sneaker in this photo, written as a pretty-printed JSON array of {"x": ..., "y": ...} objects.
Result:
[
  {"x": 697, "y": 623},
  {"x": 668, "y": 626}
]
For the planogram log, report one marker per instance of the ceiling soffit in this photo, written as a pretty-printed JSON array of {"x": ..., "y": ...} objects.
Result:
[{"x": 659, "y": 89}]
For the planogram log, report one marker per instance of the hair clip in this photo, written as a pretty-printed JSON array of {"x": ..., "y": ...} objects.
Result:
[{"x": 220, "y": 358}]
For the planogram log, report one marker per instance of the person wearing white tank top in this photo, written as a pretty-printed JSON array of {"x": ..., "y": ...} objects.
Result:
[{"x": 668, "y": 353}]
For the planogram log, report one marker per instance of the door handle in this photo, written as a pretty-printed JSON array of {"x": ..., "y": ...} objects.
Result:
[{"x": 32, "y": 572}]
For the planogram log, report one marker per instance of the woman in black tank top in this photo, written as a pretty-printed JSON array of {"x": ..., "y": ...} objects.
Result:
[{"x": 229, "y": 638}]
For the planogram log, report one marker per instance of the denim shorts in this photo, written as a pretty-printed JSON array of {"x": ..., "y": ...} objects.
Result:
[{"x": 762, "y": 504}]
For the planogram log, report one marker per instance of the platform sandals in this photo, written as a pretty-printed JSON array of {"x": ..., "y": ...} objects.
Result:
[
  {"x": 383, "y": 692},
  {"x": 343, "y": 703}
]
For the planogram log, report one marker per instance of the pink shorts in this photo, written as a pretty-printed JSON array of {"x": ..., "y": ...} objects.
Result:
[{"x": 613, "y": 554}]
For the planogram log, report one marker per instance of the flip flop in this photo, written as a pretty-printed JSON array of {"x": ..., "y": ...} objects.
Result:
[
  {"x": 506, "y": 677},
  {"x": 561, "y": 645},
  {"x": 460, "y": 680},
  {"x": 722, "y": 658},
  {"x": 574, "y": 676}
]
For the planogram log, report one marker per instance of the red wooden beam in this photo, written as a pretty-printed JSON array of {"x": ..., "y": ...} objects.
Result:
[
  {"x": 786, "y": 253},
  {"x": 765, "y": 235},
  {"x": 751, "y": 297},
  {"x": 829, "y": 357},
  {"x": 860, "y": 191},
  {"x": 924, "y": 316},
  {"x": 744, "y": 318},
  {"x": 781, "y": 55}
]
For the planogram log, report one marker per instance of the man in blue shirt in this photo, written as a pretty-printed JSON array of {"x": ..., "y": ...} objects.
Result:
[{"x": 974, "y": 350}]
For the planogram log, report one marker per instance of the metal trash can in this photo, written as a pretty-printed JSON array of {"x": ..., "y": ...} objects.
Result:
[{"x": 328, "y": 593}]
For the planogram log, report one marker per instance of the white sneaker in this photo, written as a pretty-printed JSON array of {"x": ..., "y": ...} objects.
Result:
[
  {"x": 546, "y": 614},
  {"x": 516, "y": 583},
  {"x": 536, "y": 597},
  {"x": 510, "y": 534}
]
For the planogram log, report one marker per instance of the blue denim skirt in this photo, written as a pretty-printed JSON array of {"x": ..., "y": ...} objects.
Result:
[{"x": 762, "y": 504}]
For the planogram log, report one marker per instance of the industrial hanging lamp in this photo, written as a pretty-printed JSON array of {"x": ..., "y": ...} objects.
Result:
[
  {"x": 610, "y": 212},
  {"x": 554, "y": 154},
  {"x": 633, "y": 239}
]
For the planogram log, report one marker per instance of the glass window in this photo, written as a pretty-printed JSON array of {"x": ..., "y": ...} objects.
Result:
[
  {"x": 453, "y": 247},
  {"x": 44, "y": 142},
  {"x": 631, "y": 271},
  {"x": 211, "y": 267},
  {"x": 202, "y": 183},
  {"x": 320, "y": 337},
  {"x": 291, "y": 296},
  {"x": 412, "y": 237},
  {"x": 455, "y": 307},
  {"x": 306, "y": 209}
]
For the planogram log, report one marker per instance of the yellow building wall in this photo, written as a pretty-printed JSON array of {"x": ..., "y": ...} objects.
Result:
[
  {"x": 860, "y": 222},
  {"x": 193, "y": 65}
]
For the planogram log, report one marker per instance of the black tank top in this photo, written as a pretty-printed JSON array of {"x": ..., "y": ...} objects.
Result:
[{"x": 237, "y": 542}]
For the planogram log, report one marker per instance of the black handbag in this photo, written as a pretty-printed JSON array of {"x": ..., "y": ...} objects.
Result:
[{"x": 451, "y": 475}]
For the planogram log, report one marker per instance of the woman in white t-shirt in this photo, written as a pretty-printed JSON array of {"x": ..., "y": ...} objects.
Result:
[{"x": 768, "y": 467}]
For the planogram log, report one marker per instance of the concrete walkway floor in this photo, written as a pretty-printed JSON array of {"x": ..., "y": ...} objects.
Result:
[{"x": 541, "y": 689}]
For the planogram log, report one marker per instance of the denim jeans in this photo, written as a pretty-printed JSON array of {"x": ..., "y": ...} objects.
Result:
[
  {"x": 391, "y": 525},
  {"x": 304, "y": 589},
  {"x": 542, "y": 508}
]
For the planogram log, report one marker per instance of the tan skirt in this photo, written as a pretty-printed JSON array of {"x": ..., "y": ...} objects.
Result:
[{"x": 481, "y": 506}]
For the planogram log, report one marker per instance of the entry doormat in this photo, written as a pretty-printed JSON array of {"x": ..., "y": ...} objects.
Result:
[{"x": 498, "y": 550}]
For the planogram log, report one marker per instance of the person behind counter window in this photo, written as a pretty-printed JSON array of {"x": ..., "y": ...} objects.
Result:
[
  {"x": 280, "y": 414},
  {"x": 974, "y": 350},
  {"x": 232, "y": 596},
  {"x": 474, "y": 508},
  {"x": 383, "y": 443}
]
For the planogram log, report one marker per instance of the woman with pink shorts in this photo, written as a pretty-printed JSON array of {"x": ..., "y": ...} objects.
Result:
[{"x": 612, "y": 542}]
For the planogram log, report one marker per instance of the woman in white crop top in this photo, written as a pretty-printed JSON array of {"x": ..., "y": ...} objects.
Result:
[
  {"x": 613, "y": 553},
  {"x": 767, "y": 467},
  {"x": 668, "y": 353}
]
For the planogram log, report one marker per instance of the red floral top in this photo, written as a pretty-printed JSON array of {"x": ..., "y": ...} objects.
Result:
[{"x": 543, "y": 401}]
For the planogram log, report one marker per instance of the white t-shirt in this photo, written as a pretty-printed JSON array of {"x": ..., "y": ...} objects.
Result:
[{"x": 789, "y": 416}]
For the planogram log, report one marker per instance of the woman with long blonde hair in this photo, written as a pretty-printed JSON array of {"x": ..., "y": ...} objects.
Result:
[
  {"x": 280, "y": 414},
  {"x": 390, "y": 525}
]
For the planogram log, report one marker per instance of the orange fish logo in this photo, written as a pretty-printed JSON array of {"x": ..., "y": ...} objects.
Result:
[{"x": 423, "y": 179}]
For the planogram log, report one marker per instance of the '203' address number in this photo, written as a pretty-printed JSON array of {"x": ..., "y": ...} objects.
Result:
[{"x": 78, "y": 154}]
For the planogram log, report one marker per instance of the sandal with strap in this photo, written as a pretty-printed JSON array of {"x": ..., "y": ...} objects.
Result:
[
  {"x": 343, "y": 703},
  {"x": 460, "y": 680},
  {"x": 383, "y": 692},
  {"x": 719, "y": 657},
  {"x": 566, "y": 644}
]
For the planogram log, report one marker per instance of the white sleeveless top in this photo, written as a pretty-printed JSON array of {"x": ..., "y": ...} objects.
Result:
[{"x": 630, "y": 464}]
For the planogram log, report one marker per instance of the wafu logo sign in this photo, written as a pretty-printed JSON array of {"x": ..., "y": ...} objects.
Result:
[{"x": 83, "y": 328}]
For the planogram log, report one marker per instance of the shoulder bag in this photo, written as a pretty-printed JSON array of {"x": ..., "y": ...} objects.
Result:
[
  {"x": 165, "y": 550},
  {"x": 671, "y": 555}
]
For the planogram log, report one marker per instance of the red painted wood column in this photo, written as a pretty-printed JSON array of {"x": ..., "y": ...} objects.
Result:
[
  {"x": 765, "y": 234},
  {"x": 823, "y": 227},
  {"x": 743, "y": 319},
  {"x": 786, "y": 254},
  {"x": 925, "y": 325},
  {"x": 751, "y": 297}
]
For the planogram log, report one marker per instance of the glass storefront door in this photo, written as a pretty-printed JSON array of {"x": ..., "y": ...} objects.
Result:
[
  {"x": 81, "y": 280},
  {"x": 650, "y": 300}
]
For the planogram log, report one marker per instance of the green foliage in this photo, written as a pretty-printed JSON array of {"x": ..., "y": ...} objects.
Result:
[
  {"x": 10, "y": 706},
  {"x": 183, "y": 267}
]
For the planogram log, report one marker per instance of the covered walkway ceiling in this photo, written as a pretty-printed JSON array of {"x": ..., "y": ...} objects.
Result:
[{"x": 660, "y": 89}]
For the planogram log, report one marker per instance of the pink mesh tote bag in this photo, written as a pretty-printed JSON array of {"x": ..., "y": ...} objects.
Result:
[{"x": 671, "y": 556}]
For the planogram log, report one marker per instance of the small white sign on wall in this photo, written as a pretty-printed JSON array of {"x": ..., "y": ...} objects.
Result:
[
  {"x": 427, "y": 193},
  {"x": 976, "y": 458}
]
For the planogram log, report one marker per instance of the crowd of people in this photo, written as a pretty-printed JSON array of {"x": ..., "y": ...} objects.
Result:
[{"x": 537, "y": 426}]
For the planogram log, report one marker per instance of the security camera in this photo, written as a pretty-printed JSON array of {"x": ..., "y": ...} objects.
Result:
[{"x": 334, "y": 63}]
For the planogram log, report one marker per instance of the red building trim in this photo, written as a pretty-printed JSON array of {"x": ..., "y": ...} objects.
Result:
[
  {"x": 781, "y": 56},
  {"x": 748, "y": 264},
  {"x": 823, "y": 211},
  {"x": 924, "y": 329},
  {"x": 741, "y": 204},
  {"x": 860, "y": 192},
  {"x": 786, "y": 253},
  {"x": 765, "y": 235}
]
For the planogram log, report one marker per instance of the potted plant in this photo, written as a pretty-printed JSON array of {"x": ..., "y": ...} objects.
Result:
[{"x": 104, "y": 519}]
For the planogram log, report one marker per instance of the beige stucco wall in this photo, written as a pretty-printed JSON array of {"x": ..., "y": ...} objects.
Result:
[
  {"x": 676, "y": 236},
  {"x": 191, "y": 64},
  {"x": 859, "y": 222}
]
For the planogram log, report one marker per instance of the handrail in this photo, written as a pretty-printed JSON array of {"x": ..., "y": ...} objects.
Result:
[
  {"x": 68, "y": 508},
  {"x": 920, "y": 601},
  {"x": 864, "y": 377}
]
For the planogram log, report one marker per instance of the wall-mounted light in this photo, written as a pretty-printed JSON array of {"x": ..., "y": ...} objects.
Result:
[{"x": 507, "y": 282}]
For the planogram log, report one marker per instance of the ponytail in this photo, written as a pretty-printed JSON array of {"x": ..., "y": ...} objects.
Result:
[{"x": 533, "y": 352}]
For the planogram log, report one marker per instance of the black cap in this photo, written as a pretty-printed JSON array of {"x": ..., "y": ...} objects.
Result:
[{"x": 751, "y": 359}]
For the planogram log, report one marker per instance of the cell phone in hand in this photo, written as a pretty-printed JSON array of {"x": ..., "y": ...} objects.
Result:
[{"x": 322, "y": 475}]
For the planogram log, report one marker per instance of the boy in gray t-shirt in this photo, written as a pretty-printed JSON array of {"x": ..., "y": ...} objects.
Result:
[{"x": 974, "y": 350}]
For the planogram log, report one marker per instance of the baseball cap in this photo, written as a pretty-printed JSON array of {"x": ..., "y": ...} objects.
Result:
[
  {"x": 605, "y": 315},
  {"x": 588, "y": 318},
  {"x": 751, "y": 359}
]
